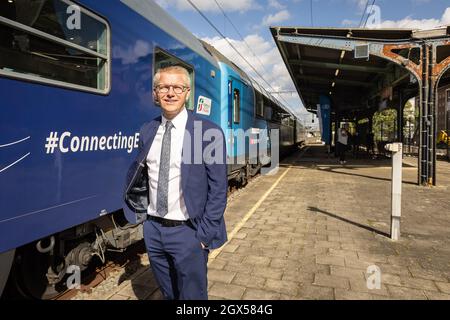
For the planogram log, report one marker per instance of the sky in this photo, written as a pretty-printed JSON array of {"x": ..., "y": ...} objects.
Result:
[{"x": 252, "y": 19}]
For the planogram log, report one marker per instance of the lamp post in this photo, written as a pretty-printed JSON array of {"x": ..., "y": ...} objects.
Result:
[{"x": 396, "y": 188}]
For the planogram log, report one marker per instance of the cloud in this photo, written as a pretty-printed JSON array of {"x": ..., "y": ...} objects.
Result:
[
  {"x": 349, "y": 23},
  {"x": 361, "y": 4},
  {"x": 406, "y": 23},
  {"x": 410, "y": 23},
  {"x": 275, "y": 4},
  {"x": 210, "y": 5},
  {"x": 276, "y": 18},
  {"x": 268, "y": 63}
]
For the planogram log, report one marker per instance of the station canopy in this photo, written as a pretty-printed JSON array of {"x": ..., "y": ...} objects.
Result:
[{"x": 361, "y": 70}]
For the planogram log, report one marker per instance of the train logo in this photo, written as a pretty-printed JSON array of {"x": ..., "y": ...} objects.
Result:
[{"x": 204, "y": 106}]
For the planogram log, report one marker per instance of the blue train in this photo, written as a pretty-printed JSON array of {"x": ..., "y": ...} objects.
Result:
[{"x": 76, "y": 86}]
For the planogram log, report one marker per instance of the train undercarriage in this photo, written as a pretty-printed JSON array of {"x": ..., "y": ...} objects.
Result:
[{"x": 46, "y": 268}]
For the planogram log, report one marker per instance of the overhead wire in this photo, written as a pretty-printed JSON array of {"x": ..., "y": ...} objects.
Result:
[
  {"x": 364, "y": 13},
  {"x": 237, "y": 51},
  {"x": 367, "y": 18},
  {"x": 242, "y": 38}
]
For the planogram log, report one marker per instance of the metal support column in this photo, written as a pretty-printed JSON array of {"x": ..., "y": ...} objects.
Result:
[
  {"x": 400, "y": 119},
  {"x": 433, "y": 115},
  {"x": 336, "y": 128},
  {"x": 425, "y": 125},
  {"x": 447, "y": 126}
]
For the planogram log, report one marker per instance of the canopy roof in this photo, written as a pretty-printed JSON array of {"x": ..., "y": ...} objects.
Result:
[{"x": 321, "y": 61}]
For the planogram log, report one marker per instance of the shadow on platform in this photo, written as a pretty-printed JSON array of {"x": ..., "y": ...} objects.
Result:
[
  {"x": 362, "y": 226},
  {"x": 316, "y": 156}
]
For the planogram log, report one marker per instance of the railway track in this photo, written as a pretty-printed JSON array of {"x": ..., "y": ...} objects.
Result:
[{"x": 124, "y": 262}]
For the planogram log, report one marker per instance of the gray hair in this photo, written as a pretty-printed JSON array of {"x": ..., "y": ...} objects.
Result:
[{"x": 175, "y": 69}]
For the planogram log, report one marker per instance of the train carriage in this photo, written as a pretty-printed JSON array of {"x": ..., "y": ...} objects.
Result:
[{"x": 76, "y": 81}]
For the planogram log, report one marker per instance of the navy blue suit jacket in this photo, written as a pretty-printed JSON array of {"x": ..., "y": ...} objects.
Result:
[{"x": 204, "y": 182}]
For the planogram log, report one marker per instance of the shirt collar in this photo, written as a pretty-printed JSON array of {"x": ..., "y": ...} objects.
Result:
[{"x": 179, "y": 121}]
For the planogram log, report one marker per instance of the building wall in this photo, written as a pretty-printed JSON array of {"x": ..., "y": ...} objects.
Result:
[{"x": 443, "y": 99}]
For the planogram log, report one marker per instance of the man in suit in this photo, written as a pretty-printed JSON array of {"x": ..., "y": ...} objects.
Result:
[{"x": 178, "y": 187}]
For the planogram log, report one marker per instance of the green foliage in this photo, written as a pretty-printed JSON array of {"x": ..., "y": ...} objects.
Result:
[
  {"x": 363, "y": 121},
  {"x": 409, "y": 111},
  {"x": 384, "y": 125},
  {"x": 409, "y": 120}
]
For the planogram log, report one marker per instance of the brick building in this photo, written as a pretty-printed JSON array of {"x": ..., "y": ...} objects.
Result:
[{"x": 443, "y": 104}]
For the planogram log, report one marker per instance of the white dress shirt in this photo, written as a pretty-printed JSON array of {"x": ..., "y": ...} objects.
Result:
[{"x": 176, "y": 206}]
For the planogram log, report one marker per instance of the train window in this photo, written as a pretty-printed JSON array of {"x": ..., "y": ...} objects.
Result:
[
  {"x": 276, "y": 114},
  {"x": 267, "y": 109},
  {"x": 163, "y": 60},
  {"x": 259, "y": 105},
  {"x": 236, "y": 106},
  {"x": 55, "y": 42},
  {"x": 285, "y": 120}
]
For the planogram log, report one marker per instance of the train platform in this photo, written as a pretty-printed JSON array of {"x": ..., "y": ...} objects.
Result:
[{"x": 311, "y": 231}]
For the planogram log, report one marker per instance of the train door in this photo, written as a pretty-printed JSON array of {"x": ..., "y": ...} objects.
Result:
[{"x": 237, "y": 152}]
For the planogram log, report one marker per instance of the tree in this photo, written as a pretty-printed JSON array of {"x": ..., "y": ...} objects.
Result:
[
  {"x": 409, "y": 121},
  {"x": 384, "y": 124}
]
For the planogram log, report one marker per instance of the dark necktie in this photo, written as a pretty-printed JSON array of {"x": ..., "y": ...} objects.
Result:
[{"x": 163, "y": 176}]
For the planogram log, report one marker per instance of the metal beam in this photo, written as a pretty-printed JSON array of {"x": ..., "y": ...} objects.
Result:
[
  {"x": 339, "y": 81},
  {"x": 329, "y": 65},
  {"x": 380, "y": 48}
]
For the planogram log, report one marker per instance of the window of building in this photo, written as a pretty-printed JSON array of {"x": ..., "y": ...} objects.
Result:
[
  {"x": 164, "y": 59},
  {"x": 40, "y": 41}
]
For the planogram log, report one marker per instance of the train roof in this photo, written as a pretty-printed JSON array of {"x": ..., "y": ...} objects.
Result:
[
  {"x": 151, "y": 11},
  {"x": 221, "y": 58}
]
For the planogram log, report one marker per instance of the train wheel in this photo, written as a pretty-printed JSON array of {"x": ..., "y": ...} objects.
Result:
[
  {"x": 244, "y": 176},
  {"x": 28, "y": 278},
  {"x": 254, "y": 169}
]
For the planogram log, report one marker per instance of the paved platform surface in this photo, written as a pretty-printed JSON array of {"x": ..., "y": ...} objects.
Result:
[{"x": 311, "y": 231}]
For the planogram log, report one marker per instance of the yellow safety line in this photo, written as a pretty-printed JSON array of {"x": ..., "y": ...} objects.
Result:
[{"x": 241, "y": 223}]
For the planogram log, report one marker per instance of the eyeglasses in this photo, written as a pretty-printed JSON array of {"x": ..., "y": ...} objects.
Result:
[{"x": 165, "y": 88}]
